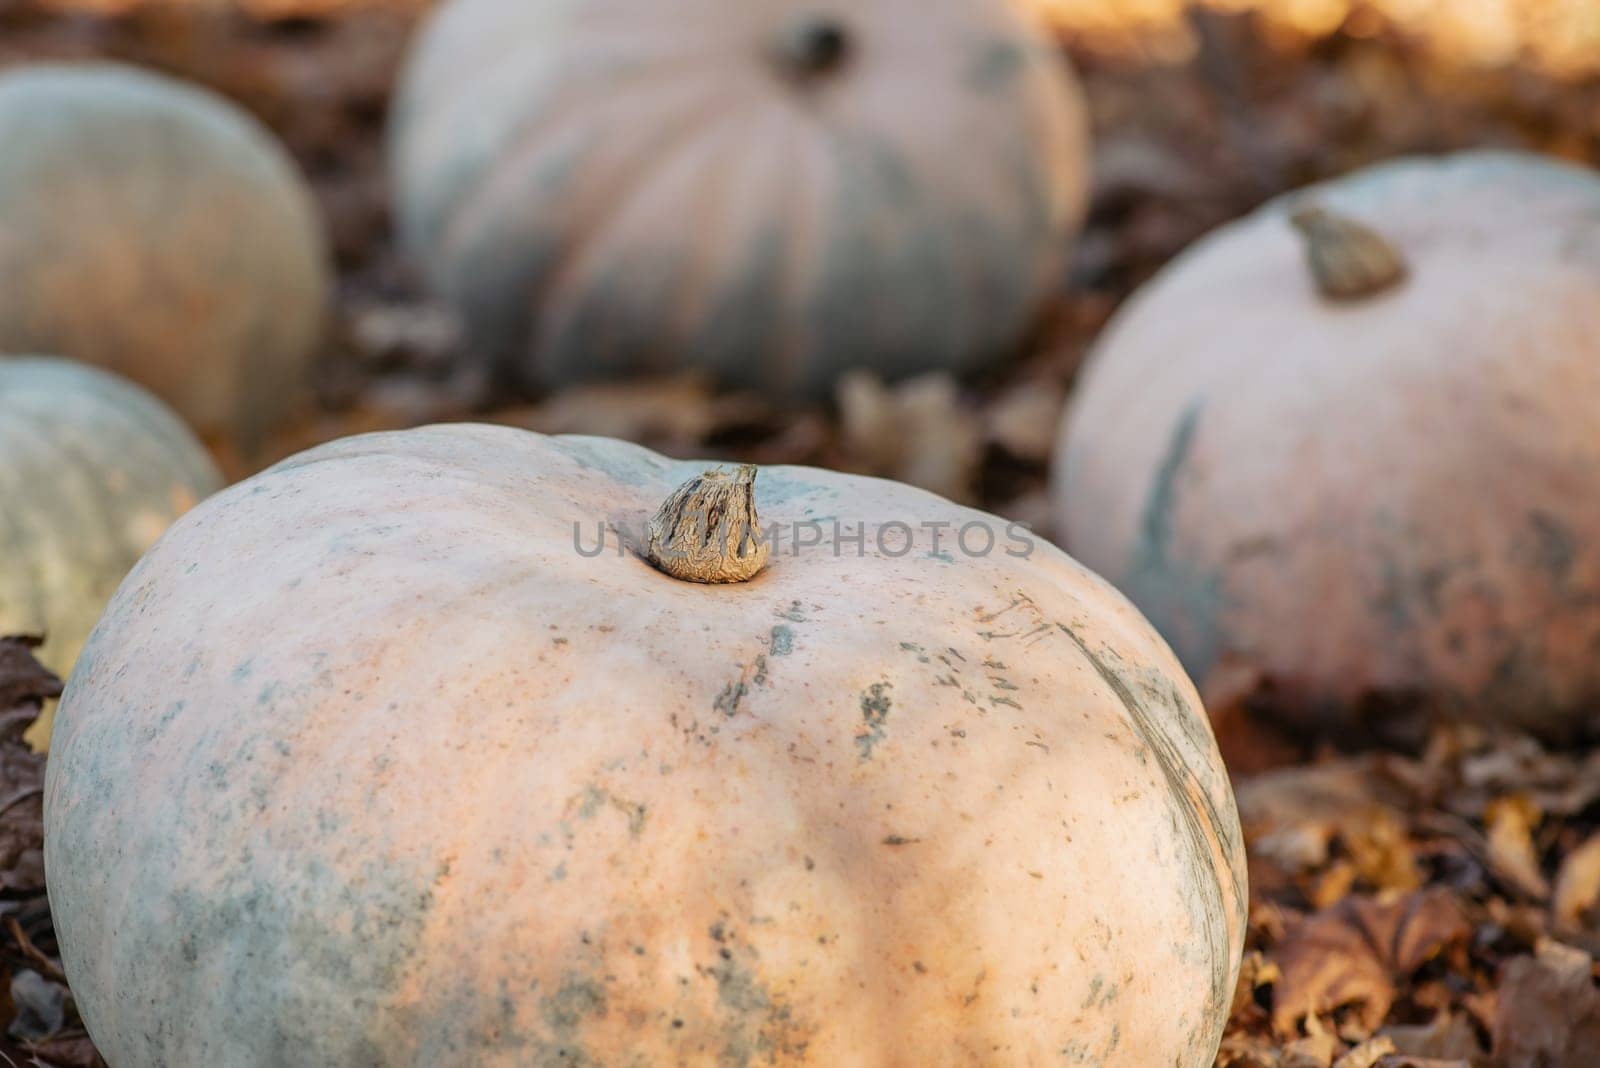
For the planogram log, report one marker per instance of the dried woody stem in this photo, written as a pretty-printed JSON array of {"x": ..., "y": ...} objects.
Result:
[
  {"x": 707, "y": 531},
  {"x": 812, "y": 46},
  {"x": 1348, "y": 260}
]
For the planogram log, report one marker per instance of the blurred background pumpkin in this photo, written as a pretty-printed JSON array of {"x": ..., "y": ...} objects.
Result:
[
  {"x": 93, "y": 469},
  {"x": 153, "y": 228},
  {"x": 1344, "y": 452},
  {"x": 776, "y": 191}
]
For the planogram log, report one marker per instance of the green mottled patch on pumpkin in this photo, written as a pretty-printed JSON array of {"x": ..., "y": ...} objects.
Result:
[
  {"x": 875, "y": 705},
  {"x": 576, "y": 1001},
  {"x": 592, "y": 799},
  {"x": 757, "y": 1027},
  {"x": 1183, "y": 601},
  {"x": 996, "y": 65}
]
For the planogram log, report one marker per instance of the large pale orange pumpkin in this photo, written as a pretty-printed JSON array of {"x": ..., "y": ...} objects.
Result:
[
  {"x": 373, "y": 761},
  {"x": 775, "y": 190},
  {"x": 1352, "y": 507},
  {"x": 155, "y": 229}
]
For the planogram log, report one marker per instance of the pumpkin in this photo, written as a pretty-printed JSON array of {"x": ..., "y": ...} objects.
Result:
[
  {"x": 92, "y": 471},
  {"x": 773, "y": 191},
  {"x": 395, "y": 761},
  {"x": 153, "y": 228},
  {"x": 1342, "y": 452}
]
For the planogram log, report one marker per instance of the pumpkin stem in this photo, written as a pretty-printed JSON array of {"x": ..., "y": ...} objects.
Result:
[
  {"x": 1348, "y": 260},
  {"x": 707, "y": 531},
  {"x": 811, "y": 46}
]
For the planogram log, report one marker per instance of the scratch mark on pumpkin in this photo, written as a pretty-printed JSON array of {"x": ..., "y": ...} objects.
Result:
[
  {"x": 752, "y": 674},
  {"x": 1202, "y": 826},
  {"x": 990, "y": 617},
  {"x": 588, "y": 803}
]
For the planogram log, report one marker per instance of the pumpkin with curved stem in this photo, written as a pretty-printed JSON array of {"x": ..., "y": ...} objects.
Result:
[
  {"x": 396, "y": 763},
  {"x": 773, "y": 190},
  {"x": 92, "y": 471},
  {"x": 155, "y": 229},
  {"x": 1342, "y": 452}
]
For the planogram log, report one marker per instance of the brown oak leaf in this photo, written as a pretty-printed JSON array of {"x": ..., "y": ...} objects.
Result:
[{"x": 1350, "y": 956}]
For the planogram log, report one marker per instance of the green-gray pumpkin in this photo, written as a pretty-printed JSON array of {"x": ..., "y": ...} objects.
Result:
[
  {"x": 155, "y": 229},
  {"x": 92, "y": 470},
  {"x": 772, "y": 190}
]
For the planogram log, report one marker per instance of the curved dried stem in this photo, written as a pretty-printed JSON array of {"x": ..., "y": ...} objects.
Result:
[{"x": 1348, "y": 260}]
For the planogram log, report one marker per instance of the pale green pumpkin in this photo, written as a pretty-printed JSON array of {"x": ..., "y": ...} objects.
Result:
[
  {"x": 92, "y": 471},
  {"x": 155, "y": 229}
]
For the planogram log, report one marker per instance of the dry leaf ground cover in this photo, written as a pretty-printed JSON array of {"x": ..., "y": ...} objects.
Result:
[{"x": 1431, "y": 909}]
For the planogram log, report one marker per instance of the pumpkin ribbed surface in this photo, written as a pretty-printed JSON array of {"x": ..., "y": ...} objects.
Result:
[
  {"x": 771, "y": 190},
  {"x": 92, "y": 471}
]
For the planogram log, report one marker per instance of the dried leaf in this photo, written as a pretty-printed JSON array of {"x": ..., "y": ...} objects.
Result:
[
  {"x": 1495, "y": 765},
  {"x": 1332, "y": 886},
  {"x": 1297, "y": 848},
  {"x": 24, "y": 687},
  {"x": 1322, "y": 793},
  {"x": 1025, "y": 419},
  {"x": 1549, "y": 1011},
  {"x": 1246, "y": 1051},
  {"x": 681, "y": 410},
  {"x": 1382, "y": 852},
  {"x": 70, "y": 1049},
  {"x": 41, "y": 1006},
  {"x": 1350, "y": 956},
  {"x": 916, "y": 432},
  {"x": 1512, "y": 856},
  {"x": 24, "y": 684},
  {"x": 1366, "y": 1054},
  {"x": 1255, "y": 972},
  {"x": 35, "y": 1001},
  {"x": 1577, "y": 885},
  {"x": 1317, "y": 1051},
  {"x": 1450, "y": 1037}
]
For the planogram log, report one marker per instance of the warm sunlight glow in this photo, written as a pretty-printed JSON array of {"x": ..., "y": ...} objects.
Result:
[{"x": 1562, "y": 35}]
